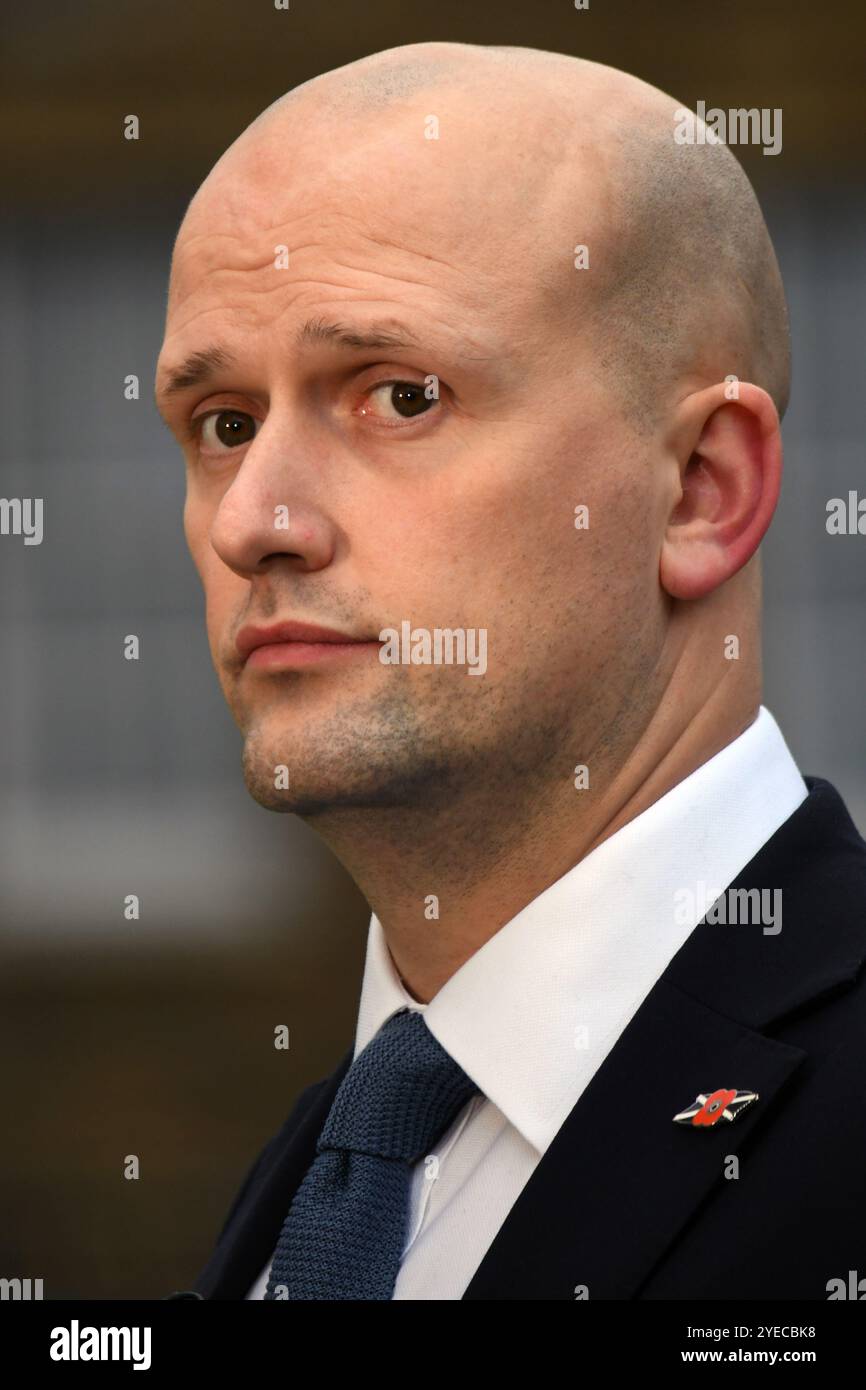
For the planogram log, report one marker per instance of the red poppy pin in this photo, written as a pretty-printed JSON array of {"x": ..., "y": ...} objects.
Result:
[{"x": 713, "y": 1106}]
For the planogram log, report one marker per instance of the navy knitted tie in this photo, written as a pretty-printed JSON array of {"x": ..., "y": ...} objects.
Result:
[{"x": 346, "y": 1229}]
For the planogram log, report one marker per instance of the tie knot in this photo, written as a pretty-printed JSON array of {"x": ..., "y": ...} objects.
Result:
[{"x": 399, "y": 1095}]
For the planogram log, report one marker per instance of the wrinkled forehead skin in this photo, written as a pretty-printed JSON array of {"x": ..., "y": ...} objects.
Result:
[{"x": 477, "y": 226}]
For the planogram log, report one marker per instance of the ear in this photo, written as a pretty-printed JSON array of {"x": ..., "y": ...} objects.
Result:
[{"x": 729, "y": 459}]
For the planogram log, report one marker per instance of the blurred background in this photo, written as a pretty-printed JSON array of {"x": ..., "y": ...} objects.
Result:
[{"x": 155, "y": 1037}]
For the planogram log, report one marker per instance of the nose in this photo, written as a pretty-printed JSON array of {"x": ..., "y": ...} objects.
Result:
[{"x": 272, "y": 509}]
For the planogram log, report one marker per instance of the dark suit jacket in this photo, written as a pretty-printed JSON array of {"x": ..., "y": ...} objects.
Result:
[{"x": 630, "y": 1204}]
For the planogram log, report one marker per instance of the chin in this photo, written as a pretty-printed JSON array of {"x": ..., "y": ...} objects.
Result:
[
  {"x": 372, "y": 754},
  {"x": 352, "y": 781},
  {"x": 312, "y": 800}
]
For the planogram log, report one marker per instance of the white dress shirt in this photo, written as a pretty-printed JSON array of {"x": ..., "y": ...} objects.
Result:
[{"x": 531, "y": 1016}]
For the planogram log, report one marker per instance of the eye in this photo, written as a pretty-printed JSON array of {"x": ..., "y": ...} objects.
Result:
[
  {"x": 399, "y": 400},
  {"x": 221, "y": 430}
]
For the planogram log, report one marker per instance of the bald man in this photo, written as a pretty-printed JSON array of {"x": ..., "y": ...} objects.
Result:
[{"x": 478, "y": 375}]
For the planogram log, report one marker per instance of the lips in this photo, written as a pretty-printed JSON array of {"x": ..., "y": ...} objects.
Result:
[{"x": 249, "y": 638}]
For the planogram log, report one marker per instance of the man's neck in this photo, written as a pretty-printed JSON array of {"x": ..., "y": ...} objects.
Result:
[{"x": 443, "y": 882}]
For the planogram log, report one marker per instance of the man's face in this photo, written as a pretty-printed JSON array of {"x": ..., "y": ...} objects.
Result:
[{"x": 319, "y": 492}]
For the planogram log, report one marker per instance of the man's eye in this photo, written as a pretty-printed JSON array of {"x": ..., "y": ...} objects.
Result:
[
  {"x": 225, "y": 429},
  {"x": 398, "y": 400}
]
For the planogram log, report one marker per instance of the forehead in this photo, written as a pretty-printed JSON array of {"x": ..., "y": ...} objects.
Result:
[{"x": 463, "y": 224}]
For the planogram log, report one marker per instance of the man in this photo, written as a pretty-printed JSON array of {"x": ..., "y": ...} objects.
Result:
[{"x": 478, "y": 373}]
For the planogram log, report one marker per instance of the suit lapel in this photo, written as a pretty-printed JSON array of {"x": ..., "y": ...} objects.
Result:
[
  {"x": 621, "y": 1180},
  {"x": 251, "y": 1233}
]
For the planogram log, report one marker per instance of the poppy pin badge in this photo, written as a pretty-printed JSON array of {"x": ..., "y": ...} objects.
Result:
[{"x": 712, "y": 1106}]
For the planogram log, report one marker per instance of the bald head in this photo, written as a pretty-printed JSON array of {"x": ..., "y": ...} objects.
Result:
[{"x": 682, "y": 285}]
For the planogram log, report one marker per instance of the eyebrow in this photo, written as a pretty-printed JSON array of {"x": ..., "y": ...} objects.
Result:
[{"x": 199, "y": 367}]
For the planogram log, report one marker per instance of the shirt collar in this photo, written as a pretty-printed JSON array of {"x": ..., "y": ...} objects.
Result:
[{"x": 532, "y": 1014}]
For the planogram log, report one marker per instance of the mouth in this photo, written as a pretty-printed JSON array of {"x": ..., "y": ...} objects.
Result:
[{"x": 292, "y": 645}]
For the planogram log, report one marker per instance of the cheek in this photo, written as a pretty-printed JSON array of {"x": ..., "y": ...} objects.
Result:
[
  {"x": 217, "y": 579},
  {"x": 195, "y": 531},
  {"x": 223, "y": 591}
]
